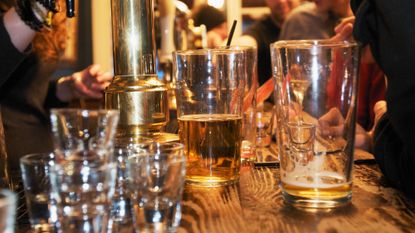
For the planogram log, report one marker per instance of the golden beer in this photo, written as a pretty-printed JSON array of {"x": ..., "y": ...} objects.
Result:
[
  {"x": 324, "y": 189},
  {"x": 212, "y": 144}
]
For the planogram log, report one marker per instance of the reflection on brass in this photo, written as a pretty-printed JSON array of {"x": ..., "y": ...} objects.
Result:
[
  {"x": 135, "y": 90},
  {"x": 133, "y": 37}
]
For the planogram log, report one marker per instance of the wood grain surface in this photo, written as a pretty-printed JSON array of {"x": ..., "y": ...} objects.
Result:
[{"x": 255, "y": 205}]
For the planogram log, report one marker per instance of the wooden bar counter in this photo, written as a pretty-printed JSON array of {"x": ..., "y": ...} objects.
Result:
[{"x": 255, "y": 204}]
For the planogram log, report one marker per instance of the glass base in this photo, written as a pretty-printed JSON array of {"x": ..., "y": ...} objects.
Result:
[
  {"x": 315, "y": 203},
  {"x": 210, "y": 182}
]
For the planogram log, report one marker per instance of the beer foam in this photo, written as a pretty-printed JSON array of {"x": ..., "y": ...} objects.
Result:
[{"x": 300, "y": 180}]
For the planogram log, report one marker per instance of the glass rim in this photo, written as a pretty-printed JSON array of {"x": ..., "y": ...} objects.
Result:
[
  {"x": 238, "y": 47},
  {"x": 171, "y": 145},
  {"x": 119, "y": 143},
  {"x": 307, "y": 44},
  {"x": 7, "y": 197},
  {"x": 158, "y": 148},
  {"x": 84, "y": 111},
  {"x": 207, "y": 51},
  {"x": 31, "y": 158}
]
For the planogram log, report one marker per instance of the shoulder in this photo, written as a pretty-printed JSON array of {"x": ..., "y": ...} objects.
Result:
[
  {"x": 265, "y": 24},
  {"x": 264, "y": 31},
  {"x": 303, "y": 12}
]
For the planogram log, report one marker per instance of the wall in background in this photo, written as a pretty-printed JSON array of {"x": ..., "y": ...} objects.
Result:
[
  {"x": 101, "y": 34},
  {"x": 78, "y": 52}
]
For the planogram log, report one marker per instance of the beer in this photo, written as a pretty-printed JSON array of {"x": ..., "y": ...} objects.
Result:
[
  {"x": 212, "y": 147},
  {"x": 329, "y": 187}
]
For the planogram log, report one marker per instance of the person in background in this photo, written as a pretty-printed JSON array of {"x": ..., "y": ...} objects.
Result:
[
  {"x": 215, "y": 22},
  {"x": 30, "y": 50},
  {"x": 386, "y": 28},
  {"x": 314, "y": 20},
  {"x": 317, "y": 20},
  {"x": 264, "y": 32}
]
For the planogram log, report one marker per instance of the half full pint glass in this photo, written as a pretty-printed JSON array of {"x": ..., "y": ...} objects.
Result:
[
  {"x": 209, "y": 93},
  {"x": 316, "y": 114}
]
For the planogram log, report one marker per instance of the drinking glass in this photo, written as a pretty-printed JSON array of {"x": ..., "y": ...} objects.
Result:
[
  {"x": 316, "y": 116},
  {"x": 248, "y": 149},
  {"x": 156, "y": 179},
  {"x": 40, "y": 206},
  {"x": 121, "y": 215},
  {"x": 263, "y": 127},
  {"x": 8, "y": 202},
  {"x": 83, "y": 177},
  {"x": 209, "y": 92}
]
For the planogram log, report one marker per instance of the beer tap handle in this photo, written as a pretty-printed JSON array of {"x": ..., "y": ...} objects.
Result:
[{"x": 70, "y": 8}]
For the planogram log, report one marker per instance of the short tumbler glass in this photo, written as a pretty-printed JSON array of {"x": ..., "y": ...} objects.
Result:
[
  {"x": 156, "y": 174},
  {"x": 36, "y": 181},
  {"x": 84, "y": 174}
]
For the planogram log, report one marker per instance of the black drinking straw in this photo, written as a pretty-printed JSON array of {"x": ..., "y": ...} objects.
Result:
[{"x": 228, "y": 43}]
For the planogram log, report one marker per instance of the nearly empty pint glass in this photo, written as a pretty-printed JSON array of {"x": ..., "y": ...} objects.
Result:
[
  {"x": 316, "y": 115},
  {"x": 209, "y": 92}
]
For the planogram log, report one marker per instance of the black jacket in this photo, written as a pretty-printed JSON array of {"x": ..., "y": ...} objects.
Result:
[{"x": 389, "y": 28}]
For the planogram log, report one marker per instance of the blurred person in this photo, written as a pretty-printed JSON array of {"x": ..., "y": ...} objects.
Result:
[
  {"x": 264, "y": 32},
  {"x": 317, "y": 20},
  {"x": 386, "y": 28},
  {"x": 31, "y": 48},
  {"x": 215, "y": 22}
]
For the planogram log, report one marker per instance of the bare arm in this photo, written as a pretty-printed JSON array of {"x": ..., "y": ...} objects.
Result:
[{"x": 20, "y": 34}]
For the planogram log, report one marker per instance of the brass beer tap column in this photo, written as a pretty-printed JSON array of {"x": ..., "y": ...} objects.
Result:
[{"x": 135, "y": 90}]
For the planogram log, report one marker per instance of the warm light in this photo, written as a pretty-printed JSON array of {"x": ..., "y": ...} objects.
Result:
[{"x": 216, "y": 3}]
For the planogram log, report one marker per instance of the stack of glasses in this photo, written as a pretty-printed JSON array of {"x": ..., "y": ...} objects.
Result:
[{"x": 87, "y": 186}]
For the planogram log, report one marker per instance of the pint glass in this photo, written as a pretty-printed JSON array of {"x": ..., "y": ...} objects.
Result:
[
  {"x": 209, "y": 93},
  {"x": 316, "y": 115},
  {"x": 249, "y": 107}
]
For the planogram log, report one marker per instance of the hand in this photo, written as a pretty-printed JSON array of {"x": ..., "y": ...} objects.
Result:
[
  {"x": 88, "y": 83},
  {"x": 364, "y": 140},
  {"x": 379, "y": 109},
  {"x": 344, "y": 30},
  {"x": 331, "y": 124}
]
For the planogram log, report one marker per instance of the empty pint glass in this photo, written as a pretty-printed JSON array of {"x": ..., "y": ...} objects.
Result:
[
  {"x": 209, "y": 92},
  {"x": 316, "y": 115}
]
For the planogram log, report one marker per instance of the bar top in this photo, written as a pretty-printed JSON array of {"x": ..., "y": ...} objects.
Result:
[{"x": 255, "y": 205}]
